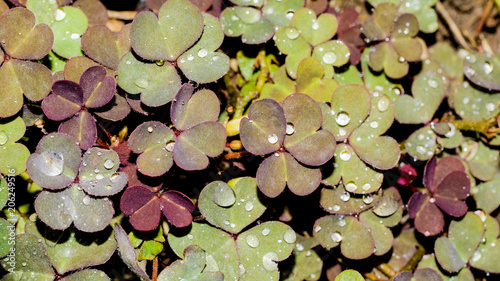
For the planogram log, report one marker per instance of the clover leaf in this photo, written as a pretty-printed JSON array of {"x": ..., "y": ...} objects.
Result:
[
  {"x": 254, "y": 253},
  {"x": 192, "y": 267},
  {"x": 360, "y": 117},
  {"x": 310, "y": 81},
  {"x": 144, "y": 205},
  {"x": 59, "y": 209},
  {"x": 448, "y": 185},
  {"x": 19, "y": 76},
  {"x": 295, "y": 128},
  {"x": 10, "y": 133},
  {"x": 98, "y": 174},
  {"x": 55, "y": 163},
  {"x": 69, "y": 250},
  {"x": 310, "y": 35}
]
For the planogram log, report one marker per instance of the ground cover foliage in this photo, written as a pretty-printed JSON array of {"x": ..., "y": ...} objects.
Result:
[{"x": 248, "y": 140}]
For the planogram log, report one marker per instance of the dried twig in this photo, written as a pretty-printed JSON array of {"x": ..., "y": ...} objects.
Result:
[
  {"x": 484, "y": 17},
  {"x": 122, "y": 15},
  {"x": 452, "y": 25}
]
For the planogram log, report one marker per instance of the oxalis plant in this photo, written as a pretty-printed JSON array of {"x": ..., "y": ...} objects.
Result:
[{"x": 246, "y": 140}]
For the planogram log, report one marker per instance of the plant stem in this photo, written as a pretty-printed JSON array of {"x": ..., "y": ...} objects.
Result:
[
  {"x": 476, "y": 126},
  {"x": 387, "y": 270},
  {"x": 154, "y": 276},
  {"x": 414, "y": 260}
]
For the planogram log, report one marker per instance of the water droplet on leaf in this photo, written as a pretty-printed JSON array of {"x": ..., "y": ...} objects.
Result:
[
  {"x": 114, "y": 177},
  {"x": 252, "y": 241},
  {"x": 367, "y": 199},
  {"x": 342, "y": 118},
  {"x": 141, "y": 83},
  {"x": 266, "y": 231},
  {"x": 202, "y": 53},
  {"x": 487, "y": 67},
  {"x": 383, "y": 103},
  {"x": 329, "y": 58},
  {"x": 248, "y": 206},
  {"x": 292, "y": 32},
  {"x": 50, "y": 163},
  {"x": 336, "y": 237},
  {"x": 432, "y": 83},
  {"x": 269, "y": 261},
  {"x": 59, "y": 14},
  {"x": 86, "y": 200},
  {"x": 272, "y": 138},
  {"x": 290, "y": 129},
  {"x": 109, "y": 164},
  {"x": 345, "y": 155},
  {"x": 315, "y": 25},
  {"x": 3, "y": 138},
  {"x": 290, "y": 236},
  {"x": 345, "y": 196},
  {"x": 351, "y": 187}
]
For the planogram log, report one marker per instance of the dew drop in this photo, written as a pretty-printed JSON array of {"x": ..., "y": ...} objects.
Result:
[
  {"x": 336, "y": 208},
  {"x": 336, "y": 237},
  {"x": 59, "y": 14},
  {"x": 3, "y": 137},
  {"x": 299, "y": 247},
  {"x": 170, "y": 146},
  {"x": 86, "y": 200},
  {"x": 317, "y": 228},
  {"x": 476, "y": 256},
  {"x": 345, "y": 155},
  {"x": 315, "y": 25},
  {"x": 342, "y": 118},
  {"x": 329, "y": 58},
  {"x": 374, "y": 124},
  {"x": 420, "y": 149},
  {"x": 266, "y": 231},
  {"x": 366, "y": 186},
  {"x": 432, "y": 83},
  {"x": 141, "y": 83},
  {"x": 269, "y": 261},
  {"x": 24, "y": 263},
  {"x": 401, "y": 59},
  {"x": 290, "y": 236},
  {"x": 51, "y": 163},
  {"x": 252, "y": 241},
  {"x": 471, "y": 58},
  {"x": 383, "y": 103},
  {"x": 432, "y": 200},
  {"x": 190, "y": 57},
  {"x": 289, "y": 15},
  {"x": 290, "y": 129},
  {"x": 114, "y": 177},
  {"x": 109, "y": 164},
  {"x": 469, "y": 71},
  {"x": 345, "y": 196},
  {"x": 487, "y": 67},
  {"x": 248, "y": 206},
  {"x": 202, "y": 53},
  {"x": 272, "y": 138},
  {"x": 367, "y": 199},
  {"x": 351, "y": 187},
  {"x": 150, "y": 129},
  {"x": 99, "y": 177},
  {"x": 490, "y": 106},
  {"x": 342, "y": 222},
  {"x": 292, "y": 32}
]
